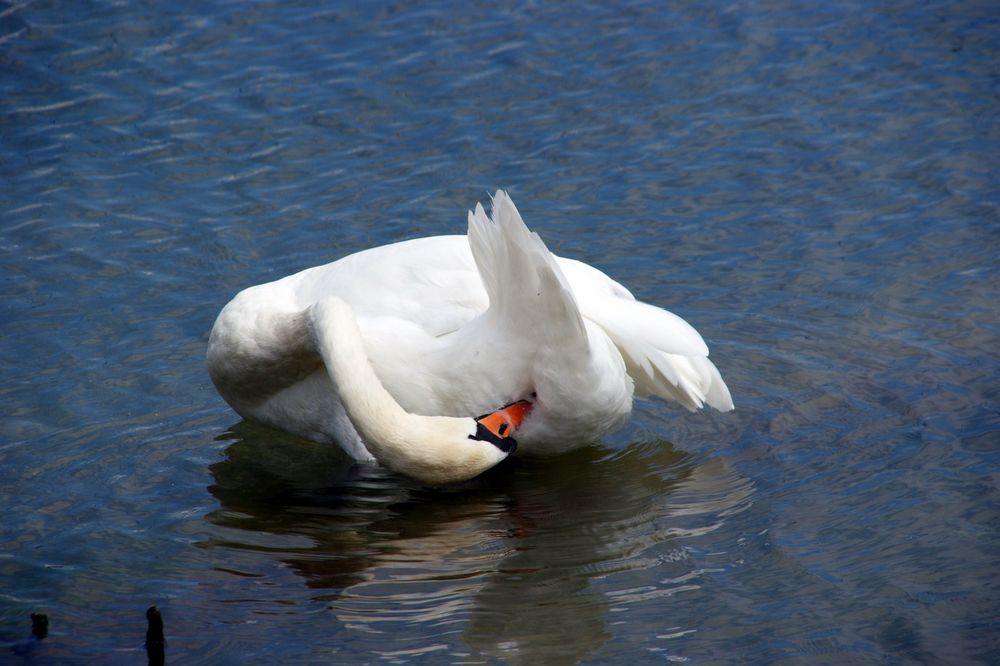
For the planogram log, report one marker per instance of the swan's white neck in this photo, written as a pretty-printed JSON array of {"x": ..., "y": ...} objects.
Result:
[{"x": 434, "y": 449}]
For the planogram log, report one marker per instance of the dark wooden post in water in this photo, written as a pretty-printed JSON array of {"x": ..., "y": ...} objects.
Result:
[
  {"x": 39, "y": 625},
  {"x": 155, "y": 643}
]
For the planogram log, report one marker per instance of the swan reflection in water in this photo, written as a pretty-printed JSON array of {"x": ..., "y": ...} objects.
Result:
[{"x": 520, "y": 556}]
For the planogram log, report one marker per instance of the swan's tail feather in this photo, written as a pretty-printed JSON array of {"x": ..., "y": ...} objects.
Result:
[
  {"x": 664, "y": 354},
  {"x": 522, "y": 279},
  {"x": 718, "y": 395},
  {"x": 693, "y": 381}
]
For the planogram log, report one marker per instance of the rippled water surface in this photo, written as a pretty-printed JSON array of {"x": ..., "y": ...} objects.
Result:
[{"x": 813, "y": 185}]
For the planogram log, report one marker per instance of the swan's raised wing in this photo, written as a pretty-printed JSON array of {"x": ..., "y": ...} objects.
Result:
[
  {"x": 522, "y": 278},
  {"x": 664, "y": 355}
]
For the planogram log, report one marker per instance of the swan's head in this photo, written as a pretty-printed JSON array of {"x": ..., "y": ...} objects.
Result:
[{"x": 441, "y": 449}]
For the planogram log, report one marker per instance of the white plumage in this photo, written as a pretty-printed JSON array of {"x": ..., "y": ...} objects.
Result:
[{"x": 459, "y": 326}]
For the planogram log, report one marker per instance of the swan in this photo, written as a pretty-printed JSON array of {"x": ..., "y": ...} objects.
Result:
[{"x": 390, "y": 352}]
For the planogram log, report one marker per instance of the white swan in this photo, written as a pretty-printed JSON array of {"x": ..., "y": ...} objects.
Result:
[{"x": 390, "y": 351}]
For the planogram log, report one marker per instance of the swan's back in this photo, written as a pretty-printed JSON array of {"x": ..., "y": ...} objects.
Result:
[{"x": 431, "y": 282}]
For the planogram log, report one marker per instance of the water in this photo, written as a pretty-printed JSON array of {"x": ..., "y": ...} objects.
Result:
[{"x": 813, "y": 186}]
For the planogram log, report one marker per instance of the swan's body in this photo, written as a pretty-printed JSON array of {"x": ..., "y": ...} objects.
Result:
[{"x": 453, "y": 326}]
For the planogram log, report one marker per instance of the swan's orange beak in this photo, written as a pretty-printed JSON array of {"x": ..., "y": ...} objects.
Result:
[{"x": 505, "y": 420}]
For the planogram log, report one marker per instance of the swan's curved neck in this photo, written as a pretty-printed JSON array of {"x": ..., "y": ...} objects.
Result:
[{"x": 435, "y": 449}]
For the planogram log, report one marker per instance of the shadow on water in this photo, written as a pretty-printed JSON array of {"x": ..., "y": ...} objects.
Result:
[{"x": 513, "y": 555}]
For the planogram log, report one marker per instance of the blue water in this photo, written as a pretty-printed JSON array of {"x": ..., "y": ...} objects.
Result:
[{"x": 813, "y": 185}]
